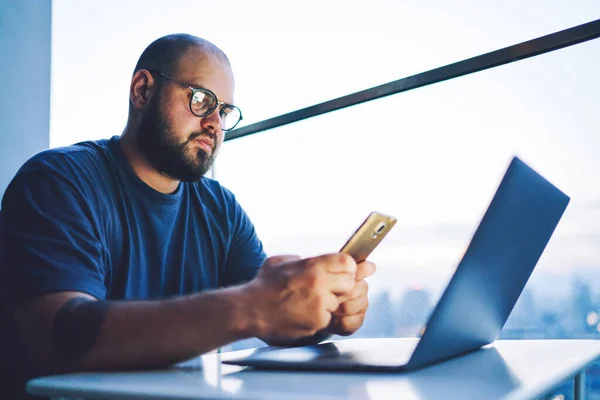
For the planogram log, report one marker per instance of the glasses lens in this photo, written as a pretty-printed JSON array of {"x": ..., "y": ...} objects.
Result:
[
  {"x": 203, "y": 102},
  {"x": 230, "y": 115}
]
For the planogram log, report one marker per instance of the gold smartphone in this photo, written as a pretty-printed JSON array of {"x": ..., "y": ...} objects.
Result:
[{"x": 368, "y": 235}]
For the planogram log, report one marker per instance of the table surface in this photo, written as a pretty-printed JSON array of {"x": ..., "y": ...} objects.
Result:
[{"x": 507, "y": 369}]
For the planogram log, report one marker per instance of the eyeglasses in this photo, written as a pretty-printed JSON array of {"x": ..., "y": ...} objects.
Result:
[{"x": 203, "y": 102}]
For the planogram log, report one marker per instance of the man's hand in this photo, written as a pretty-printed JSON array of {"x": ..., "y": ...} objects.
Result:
[
  {"x": 350, "y": 315},
  {"x": 292, "y": 297}
]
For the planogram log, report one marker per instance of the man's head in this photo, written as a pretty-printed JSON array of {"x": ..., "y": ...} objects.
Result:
[{"x": 175, "y": 141}]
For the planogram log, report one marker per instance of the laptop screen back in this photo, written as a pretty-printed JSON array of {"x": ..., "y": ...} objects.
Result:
[{"x": 502, "y": 254}]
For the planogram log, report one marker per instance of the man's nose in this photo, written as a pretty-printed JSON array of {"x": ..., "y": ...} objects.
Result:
[{"x": 212, "y": 121}]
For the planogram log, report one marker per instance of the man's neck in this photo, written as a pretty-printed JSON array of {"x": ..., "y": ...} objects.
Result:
[{"x": 142, "y": 168}]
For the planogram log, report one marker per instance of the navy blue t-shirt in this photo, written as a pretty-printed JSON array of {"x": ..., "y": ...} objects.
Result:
[{"x": 78, "y": 219}]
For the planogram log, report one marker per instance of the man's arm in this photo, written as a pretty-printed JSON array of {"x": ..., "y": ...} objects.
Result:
[
  {"x": 290, "y": 298},
  {"x": 70, "y": 331}
]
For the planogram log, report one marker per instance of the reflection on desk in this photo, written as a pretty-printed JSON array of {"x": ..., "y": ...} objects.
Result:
[
  {"x": 483, "y": 371},
  {"x": 505, "y": 370}
]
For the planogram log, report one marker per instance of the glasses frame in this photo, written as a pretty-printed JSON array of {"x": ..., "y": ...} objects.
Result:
[{"x": 218, "y": 103}]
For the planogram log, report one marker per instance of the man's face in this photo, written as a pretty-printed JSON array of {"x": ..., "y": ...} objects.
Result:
[{"x": 176, "y": 142}]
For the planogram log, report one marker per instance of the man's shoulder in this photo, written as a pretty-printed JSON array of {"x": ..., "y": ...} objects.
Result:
[
  {"x": 84, "y": 167},
  {"x": 83, "y": 157},
  {"x": 78, "y": 152}
]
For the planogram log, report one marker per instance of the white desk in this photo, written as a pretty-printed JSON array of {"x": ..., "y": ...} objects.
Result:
[{"x": 520, "y": 369}]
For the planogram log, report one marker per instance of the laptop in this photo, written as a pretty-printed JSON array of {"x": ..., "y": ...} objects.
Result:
[{"x": 478, "y": 300}]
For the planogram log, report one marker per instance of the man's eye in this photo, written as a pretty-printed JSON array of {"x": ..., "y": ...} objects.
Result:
[
  {"x": 199, "y": 97},
  {"x": 224, "y": 111}
]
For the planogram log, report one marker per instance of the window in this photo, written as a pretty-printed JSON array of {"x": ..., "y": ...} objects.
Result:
[
  {"x": 432, "y": 157},
  {"x": 285, "y": 56}
]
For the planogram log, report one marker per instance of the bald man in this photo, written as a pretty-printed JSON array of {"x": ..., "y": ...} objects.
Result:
[{"x": 120, "y": 254}]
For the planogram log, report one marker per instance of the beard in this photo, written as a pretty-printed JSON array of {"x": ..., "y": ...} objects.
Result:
[{"x": 177, "y": 160}]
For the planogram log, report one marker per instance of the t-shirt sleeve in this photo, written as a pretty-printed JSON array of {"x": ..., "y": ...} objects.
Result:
[
  {"x": 47, "y": 240},
  {"x": 246, "y": 253}
]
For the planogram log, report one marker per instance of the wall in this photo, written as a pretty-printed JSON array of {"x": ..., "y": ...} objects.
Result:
[{"x": 25, "y": 39}]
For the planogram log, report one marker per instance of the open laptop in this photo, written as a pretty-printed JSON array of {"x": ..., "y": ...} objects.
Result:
[{"x": 471, "y": 312}]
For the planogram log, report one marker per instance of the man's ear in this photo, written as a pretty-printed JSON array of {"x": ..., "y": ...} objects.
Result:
[{"x": 142, "y": 89}]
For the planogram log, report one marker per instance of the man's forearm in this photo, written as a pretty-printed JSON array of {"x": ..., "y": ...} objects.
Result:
[
  {"x": 159, "y": 333},
  {"x": 96, "y": 335}
]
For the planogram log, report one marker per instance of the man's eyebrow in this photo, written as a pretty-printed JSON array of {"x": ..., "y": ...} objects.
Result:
[
  {"x": 198, "y": 86},
  {"x": 194, "y": 86}
]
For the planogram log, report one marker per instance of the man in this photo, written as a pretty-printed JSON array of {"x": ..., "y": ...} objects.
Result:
[{"x": 120, "y": 254}]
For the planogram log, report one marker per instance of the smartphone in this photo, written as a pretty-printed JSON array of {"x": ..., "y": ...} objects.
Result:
[{"x": 368, "y": 235}]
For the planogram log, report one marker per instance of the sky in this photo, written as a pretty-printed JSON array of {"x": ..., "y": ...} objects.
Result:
[{"x": 431, "y": 157}]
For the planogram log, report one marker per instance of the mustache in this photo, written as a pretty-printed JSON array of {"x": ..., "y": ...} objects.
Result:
[{"x": 195, "y": 135}]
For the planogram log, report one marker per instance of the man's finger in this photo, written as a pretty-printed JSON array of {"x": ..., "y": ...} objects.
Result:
[
  {"x": 341, "y": 284},
  {"x": 358, "y": 305},
  {"x": 337, "y": 271},
  {"x": 364, "y": 270},
  {"x": 360, "y": 288},
  {"x": 347, "y": 325},
  {"x": 337, "y": 263},
  {"x": 331, "y": 302}
]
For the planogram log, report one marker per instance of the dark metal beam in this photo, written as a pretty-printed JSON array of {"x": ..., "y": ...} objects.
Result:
[{"x": 531, "y": 48}]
